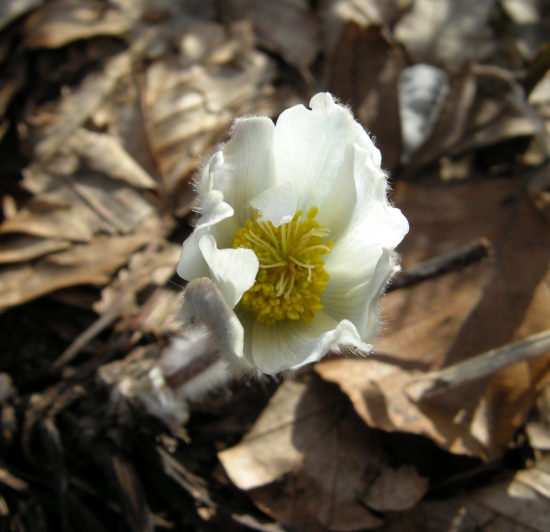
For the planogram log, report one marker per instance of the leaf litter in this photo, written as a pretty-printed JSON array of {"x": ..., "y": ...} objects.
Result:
[{"x": 107, "y": 108}]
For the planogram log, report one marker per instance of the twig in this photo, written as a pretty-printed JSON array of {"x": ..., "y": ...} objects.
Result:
[
  {"x": 455, "y": 259},
  {"x": 438, "y": 382}
]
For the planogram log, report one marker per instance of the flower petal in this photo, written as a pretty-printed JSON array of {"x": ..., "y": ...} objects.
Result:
[
  {"x": 232, "y": 270},
  {"x": 356, "y": 297},
  {"x": 309, "y": 147},
  {"x": 374, "y": 223},
  {"x": 248, "y": 166},
  {"x": 276, "y": 204},
  {"x": 192, "y": 264},
  {"x": 290, "y": 344},
  {"x": 204, "y": 305},
  {"x": 337, "y": 208}
]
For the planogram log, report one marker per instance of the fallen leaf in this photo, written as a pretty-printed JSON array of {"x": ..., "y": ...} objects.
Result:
[
  {"x": 190, "y": 107},
  {"x": 59, "y": 22},
  {"x": 92, "y": 263},
  {"x": 308, "y": 460},
  {"x": 364, "y": 71},
  {"x": 443, "y": 32},
  {"x": 26, "y": 247},
  {"x": 288, "y": 28},
  {"x": 12, "y": 9},
  {"x": 456, "y": 316}
]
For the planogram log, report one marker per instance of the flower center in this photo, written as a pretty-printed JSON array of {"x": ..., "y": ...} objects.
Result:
[{"x": 291, "y": 277}]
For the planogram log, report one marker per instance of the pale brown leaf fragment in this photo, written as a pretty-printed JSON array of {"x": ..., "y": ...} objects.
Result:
[
  {"x": 59, "y": 22},
  {"x": 288, "y": 28},
  {"x": 395, "y": 489},
  {"x": 457, "y": 316},
  {"x": 444, "y": 32},
  {"x": 525, "y": 500},
  {"x": 308, "y": 460},
  {"x": 191, "y": 106},
  {"x": 26, "y": 247},
  {"x": 12, "y": 9},
  {"x": 364, "y": 70},
  {"x": 78, "y": 207},
  {"x": 105, "y": 154},
  {"x": 93, "y": 263},
  {"x": 77, "y": 107}
]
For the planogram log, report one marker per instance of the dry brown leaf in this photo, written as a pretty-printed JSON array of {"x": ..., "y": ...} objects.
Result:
[
  {"x": 518, "y": 505},
  {"x": 152, "y": 266},
  {"x": 288, "y": 28},
  {"x": 12, "y": 9},
  {"x": 59, "y": 22},
  {"x": 335, "y": 14},
  {"x": 457, "y": 316},
  {"x": 444, "y": 32},
  {"x": 190, "y": 107},
  {"x": 92, "y": 263},
  {"x": 365, "y": 67},
  {"x": 77, "y": 207},
  {"x": 26, "y": 247},
  {"x": 451, "y": 126},
  {"x": 74, "y": 109},
  {"x": 104, "y": 153},
  {"x": 308, "y": 460}
]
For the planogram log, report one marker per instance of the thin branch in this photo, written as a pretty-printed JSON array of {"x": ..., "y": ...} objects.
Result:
[
  {"x": 441, "y": 381},
  {"x": 453, "y": 260}
]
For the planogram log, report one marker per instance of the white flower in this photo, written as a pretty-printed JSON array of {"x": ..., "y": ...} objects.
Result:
[{"x": 296, "y": 239}]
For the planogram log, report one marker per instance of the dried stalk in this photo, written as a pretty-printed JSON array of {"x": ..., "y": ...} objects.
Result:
[{"x": 441, "y": 381}]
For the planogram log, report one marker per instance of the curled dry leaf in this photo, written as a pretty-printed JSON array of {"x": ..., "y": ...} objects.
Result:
[
  {"x": 364, "y": 72},
  {"x": 312, "y": 464},
  {"x": 12, "y": 9},
  {"x": 521, "y": 504},
  {"x": 456, "y": 316},
  {"x": 190, "y": 107},
  {"x": 59, "y": 22},
  {"x": 288, "y": 28},
  {"x": 27, "y": 247},
  {"x": 444, "y": 32},
  {"x": 91, "y": 263}
]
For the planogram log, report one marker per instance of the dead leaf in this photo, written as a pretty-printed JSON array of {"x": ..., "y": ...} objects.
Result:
[
  {"x": 443, "y": 32},
  {"x": 457, "y": 316},
  {"x": 59, "y": 22},
  {"x": 104, "y": 153},
  {"x": 364, "y": 70},
  {"x": 189, "y": 108},
  {"x": 518, "y": 505},
  {"x": 423, "y": 91},
  {"x": 92, "y": 263},
  {"x": 75, "y": 109},
  {"x": 308, "y": 461},
  {"x": 288, "y": 28},
  {"x": 78, "y": 207},
  {"x": 12, "y": 9},
  {"x": 25, "y": 247}
]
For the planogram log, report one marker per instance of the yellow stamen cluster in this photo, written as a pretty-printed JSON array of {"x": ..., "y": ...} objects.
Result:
[{"x": 291, "y": 278}]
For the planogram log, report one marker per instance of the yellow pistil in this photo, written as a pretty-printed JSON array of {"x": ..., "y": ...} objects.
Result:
[{"x": 291, "y": 278}]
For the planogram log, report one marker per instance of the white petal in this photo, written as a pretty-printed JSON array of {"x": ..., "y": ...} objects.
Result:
[
  {"x": 374, "y": 224},
  {"x": 276, "y": 204},
  {"x": 337, "y": 209},
  {"x": 309, "y": 147},
  {"x": 204, "y": 305},
  {"x": 248, "y": 165},
  {"x": 232, "y": 270},
  {"x": 290, "y": 344},
  {"x": 213, "y": 209},
  {"x": 356, "y": 297},
  {"x": 192, "y": 264}
]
